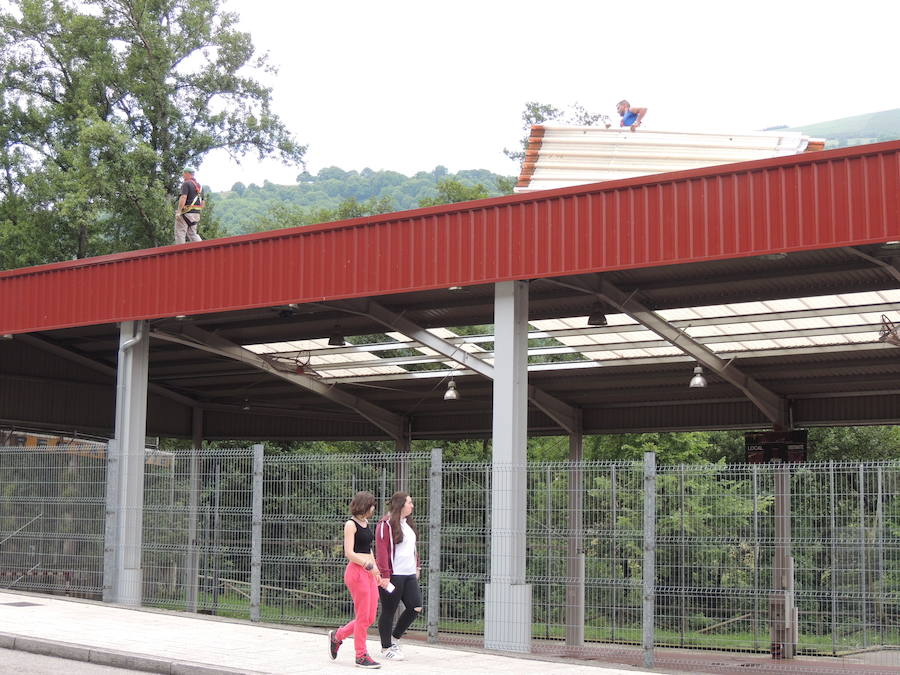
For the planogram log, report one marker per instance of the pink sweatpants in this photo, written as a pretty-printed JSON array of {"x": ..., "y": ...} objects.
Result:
[{"x": 364, "y": 592}]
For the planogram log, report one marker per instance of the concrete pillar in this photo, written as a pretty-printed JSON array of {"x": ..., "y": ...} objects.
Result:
[
  {"x": 507, "y": 596},
  {"x": 128, "y": 448}
]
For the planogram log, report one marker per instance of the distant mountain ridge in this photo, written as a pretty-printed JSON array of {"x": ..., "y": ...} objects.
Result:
[{"x": 857, "y": 130}]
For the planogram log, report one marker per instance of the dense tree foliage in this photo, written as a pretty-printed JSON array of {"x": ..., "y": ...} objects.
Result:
[
  {"x": 451, "y": 191},
  {"x": 335, "y": 194},
  {"x": 103, "y": 103},
  {"x": 849, "y": 444}
]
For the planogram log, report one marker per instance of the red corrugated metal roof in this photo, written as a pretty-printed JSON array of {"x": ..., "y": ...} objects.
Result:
[{"x": 804, "y": 202}]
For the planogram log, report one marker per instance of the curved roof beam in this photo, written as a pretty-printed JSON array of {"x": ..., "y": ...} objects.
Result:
[
  {"x": 773, "y": 406},
  {"x": 889, "y": 267},
  {"x": 197, "y": 338},
  {"x": 566, "y": 416},
  {"x": 80, "y": 359}
]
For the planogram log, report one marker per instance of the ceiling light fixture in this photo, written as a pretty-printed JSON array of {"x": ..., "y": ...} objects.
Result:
[
  {"x": 455, "y": 288},
  {"x": 246, "y": 405},
  {"x": 337, "y": 338},
  {"x": 597, "y": 316},
  {"x": 698, "y": 380},
  {"x": 7, "y": 336},
  {"x": 451, "y": 394}
]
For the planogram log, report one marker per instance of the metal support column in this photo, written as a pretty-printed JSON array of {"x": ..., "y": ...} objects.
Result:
[
  {"x": 433, "y": 609},
  {"x": 256, "y": 533},
  {"x": 128, "y": 449},
  {"x": 782, "y": 614},
  {"x": 575, "y": 552},
  {"x": 507, "y": 597}
]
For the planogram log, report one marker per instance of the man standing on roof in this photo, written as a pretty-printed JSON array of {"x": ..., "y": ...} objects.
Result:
[
  {"x": 631, "y": 117},
  {"x": 190, "y": 204}
]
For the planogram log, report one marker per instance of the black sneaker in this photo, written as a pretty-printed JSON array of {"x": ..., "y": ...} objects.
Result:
[
  {"x": 333, "y": 645},
  {"x": 367, "y": 662}
]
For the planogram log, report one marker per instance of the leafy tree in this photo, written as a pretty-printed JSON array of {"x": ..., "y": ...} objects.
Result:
[
  {"x": 451, "y": 191},
  {"x": 103, "y": 103},
  {"x": 690, "y": 447},
  {"x": 283, "y": 215},
  {"x": 854, "y": 444},
  {"x": 539, "y": 113}
]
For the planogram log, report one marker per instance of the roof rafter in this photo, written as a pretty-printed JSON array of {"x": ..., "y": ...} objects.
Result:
[
  {"x": 75, "y": 357},
  {"x": 568, "y": 417},
  {"x": 773, "y": 406},
  {"x": 889, "y": 267},
  {"x": 391, "y": 423}
]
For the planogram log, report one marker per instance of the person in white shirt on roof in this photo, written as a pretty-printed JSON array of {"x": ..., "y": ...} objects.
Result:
[{"x": 398, "y": 560}]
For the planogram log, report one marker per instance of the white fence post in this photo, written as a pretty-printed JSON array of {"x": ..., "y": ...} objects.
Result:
[
  {"x": 434, "y": 544},
  {"x": 111, "y": 531},
  {"x": 649, "y": 568},
  {"x": 256, "y": 533}
]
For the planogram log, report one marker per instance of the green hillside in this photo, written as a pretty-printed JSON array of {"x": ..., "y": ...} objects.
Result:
[
  {"x": 242, "y": 208},
  {"x": 857, "y": 130}
]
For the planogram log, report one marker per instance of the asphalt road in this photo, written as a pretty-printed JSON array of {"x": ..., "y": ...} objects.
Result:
[{"x": 25, "y": 663}]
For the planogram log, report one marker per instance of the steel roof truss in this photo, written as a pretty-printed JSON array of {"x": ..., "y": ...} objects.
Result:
[
  {"x": 96, "y": 366},
  {"x": 773, "y": 406},
  {"x": 568, "y": 417},
  {"x": 889, "y": 267},
  {"x": 394, "y": 425}
]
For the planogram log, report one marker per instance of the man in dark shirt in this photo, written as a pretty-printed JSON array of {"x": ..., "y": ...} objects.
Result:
[{"x": 190, "y": 203}]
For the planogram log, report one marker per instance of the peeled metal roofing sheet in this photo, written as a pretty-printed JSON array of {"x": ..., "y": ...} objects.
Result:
[{"x": 560, "y": 156}]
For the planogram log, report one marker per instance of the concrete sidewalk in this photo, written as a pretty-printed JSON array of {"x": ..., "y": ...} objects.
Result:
[{"x": 174, "y": 643}]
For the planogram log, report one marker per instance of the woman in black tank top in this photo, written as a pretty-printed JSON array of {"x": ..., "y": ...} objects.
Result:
[{"x": 362, "y": 578}]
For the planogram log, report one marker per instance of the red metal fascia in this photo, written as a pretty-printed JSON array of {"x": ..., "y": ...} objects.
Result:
[{"x": 814, "y": 200}]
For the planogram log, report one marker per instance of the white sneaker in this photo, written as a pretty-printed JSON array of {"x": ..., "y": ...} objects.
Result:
[{"x": 392, "y": 653}]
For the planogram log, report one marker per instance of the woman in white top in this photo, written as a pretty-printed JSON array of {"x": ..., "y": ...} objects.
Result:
[{"x": 398, "y": 560}]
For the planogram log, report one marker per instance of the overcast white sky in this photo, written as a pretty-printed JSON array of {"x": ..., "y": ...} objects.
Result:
[{"x": 406, "y": 86}]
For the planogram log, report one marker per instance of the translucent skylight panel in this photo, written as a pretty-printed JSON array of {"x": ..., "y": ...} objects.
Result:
[
  {"x": 786, "y": 305},
  {"x": 864, "y": 298},
  {"x": 823, "y": 301},
  {"x": 678, "y": 314},
  {"x": 787, "y": 343},
  {"x": 808, "y": 322}
]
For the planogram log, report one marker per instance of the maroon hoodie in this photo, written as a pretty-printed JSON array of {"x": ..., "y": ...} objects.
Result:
[{"x": 384, "y": 547}]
